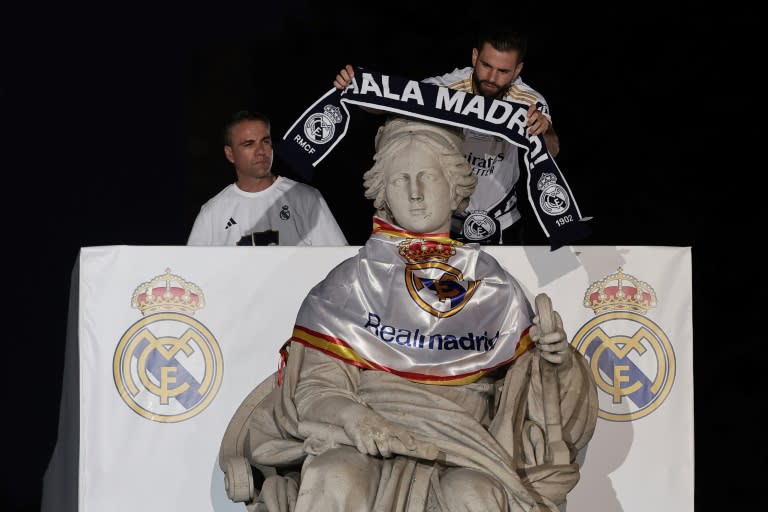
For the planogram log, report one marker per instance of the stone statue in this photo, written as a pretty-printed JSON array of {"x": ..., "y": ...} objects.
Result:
[{"x": 418, "y": 376}]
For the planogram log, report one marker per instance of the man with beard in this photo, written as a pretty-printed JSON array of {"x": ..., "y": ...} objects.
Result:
[
  {"x": 492, "y": 216},
  {"x": 261, "y": 208}
]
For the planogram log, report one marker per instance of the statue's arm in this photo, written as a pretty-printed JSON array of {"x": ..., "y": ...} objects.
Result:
[
  {"x": 563, "y": 400},
  {"x": 326, "y": 393}
]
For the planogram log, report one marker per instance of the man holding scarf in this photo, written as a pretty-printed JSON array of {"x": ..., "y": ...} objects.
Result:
[{"x": 493, "y": 215}]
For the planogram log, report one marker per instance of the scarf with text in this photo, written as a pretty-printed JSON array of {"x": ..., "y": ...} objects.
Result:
[{"x": 320, "y": 128}]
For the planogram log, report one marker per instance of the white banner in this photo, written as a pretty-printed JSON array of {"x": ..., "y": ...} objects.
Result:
[{"x": 153, "y": 389}]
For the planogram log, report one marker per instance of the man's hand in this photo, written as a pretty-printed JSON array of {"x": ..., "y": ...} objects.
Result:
[
  {"x": 344, "y": 78},
  {"x": 538, "y": 123}
]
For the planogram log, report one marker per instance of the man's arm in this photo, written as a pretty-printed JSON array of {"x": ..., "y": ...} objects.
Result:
[
  {"x": 201, "y": 230},
  {"x": 342, "y": 81},
  {"x": 325, "y": 230},
  {"x": 540, "y": 124},
  {"x": 552, "y": 141}
]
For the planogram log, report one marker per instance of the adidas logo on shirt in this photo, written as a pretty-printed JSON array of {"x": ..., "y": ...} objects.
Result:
[{"x": 230, "y": 223}]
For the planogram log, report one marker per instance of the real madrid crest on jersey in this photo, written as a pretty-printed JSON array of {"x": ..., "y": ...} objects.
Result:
[
  {"x": 631, "y": 357},
  {"x": 437, "y": 287},
  {"x": 167, "y": 366},
  {"x": 479, "y": 226}
]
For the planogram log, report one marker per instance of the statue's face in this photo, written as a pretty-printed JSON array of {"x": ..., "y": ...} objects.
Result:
[{"x": 417, "y": 192}]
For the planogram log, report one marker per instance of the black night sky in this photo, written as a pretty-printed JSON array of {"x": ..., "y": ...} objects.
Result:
[{"x": 112, "y": 135}]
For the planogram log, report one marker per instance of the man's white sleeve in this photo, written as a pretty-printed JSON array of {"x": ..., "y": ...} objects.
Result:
[
  {"x": 201, "y": 230},
  {"x": 325, "y": 229}
]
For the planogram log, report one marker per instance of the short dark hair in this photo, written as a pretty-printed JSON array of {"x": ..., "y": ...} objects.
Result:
[
  {"x": 238, "y": 117},
  {"x": 503, "y": 39}
]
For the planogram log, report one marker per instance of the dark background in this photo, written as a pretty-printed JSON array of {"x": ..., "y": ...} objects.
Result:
[{"x": 112, "y": 135}]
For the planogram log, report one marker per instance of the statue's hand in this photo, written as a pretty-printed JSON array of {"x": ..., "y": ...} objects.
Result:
[
  {"x": 374, "y": 435},
  {"x": 279, "y": 493},
  {"x": 554, "y": 346}
]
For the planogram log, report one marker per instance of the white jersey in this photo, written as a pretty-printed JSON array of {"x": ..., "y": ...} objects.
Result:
[
  {"x": 493, "y": 160},
  {"x": 286, "y": 213}
]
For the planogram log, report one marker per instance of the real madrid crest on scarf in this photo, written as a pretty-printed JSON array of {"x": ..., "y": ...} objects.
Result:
[
  {"x": 421, "y": 306},
  {"x": 320, "y": 127}
]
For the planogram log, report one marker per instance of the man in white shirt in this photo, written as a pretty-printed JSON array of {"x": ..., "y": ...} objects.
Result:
[{"x": 261, "y": 208}]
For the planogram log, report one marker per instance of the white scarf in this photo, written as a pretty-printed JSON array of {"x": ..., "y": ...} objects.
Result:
[{"x": 421, "y": 306}]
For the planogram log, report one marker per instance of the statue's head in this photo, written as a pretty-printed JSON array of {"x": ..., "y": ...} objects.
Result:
[{"x": 420, "y": 176}]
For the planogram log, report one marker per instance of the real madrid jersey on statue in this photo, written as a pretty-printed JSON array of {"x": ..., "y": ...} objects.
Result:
[
  {"x": 493, "y": 205},
  {"x": 286, "y": 213}
]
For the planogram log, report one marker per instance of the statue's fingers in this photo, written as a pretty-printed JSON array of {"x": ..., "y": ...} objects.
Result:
[
  {"x": 371, "y": 446},
  {"x": 384, "y": 447},
  {"x": 553, "y": 357},
  {"x": 554, "y": 344},
  {"x": 419, "y": 449},
  {"x": 546, "y": 347},
  {"x": 282, "y": 498},
  {"x": 407, "y": 440},
  {"x": 274, "y": 494},
  {"x": 360, "y": 443},
  {"x": 553, "y": 338},
  {"x": 558, "y": 320},
  {"x": 268, "y": 493},
  {"x": 292, "y": 493}
]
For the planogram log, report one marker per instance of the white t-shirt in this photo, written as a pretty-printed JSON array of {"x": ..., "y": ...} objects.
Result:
[
  {"x": 493, "y": 160},
  {"x": 286, "y": 213}
]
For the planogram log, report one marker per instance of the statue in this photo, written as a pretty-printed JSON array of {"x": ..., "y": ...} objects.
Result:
[{"x": 418, "y": 376}]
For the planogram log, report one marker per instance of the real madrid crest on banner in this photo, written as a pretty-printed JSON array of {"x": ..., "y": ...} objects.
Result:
[
  {"x": 167, "y": 366},
  {"x": 631, "y": 357}
]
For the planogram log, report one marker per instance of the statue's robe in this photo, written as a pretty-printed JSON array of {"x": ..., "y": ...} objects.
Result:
[{"x": 478, "y": 401}]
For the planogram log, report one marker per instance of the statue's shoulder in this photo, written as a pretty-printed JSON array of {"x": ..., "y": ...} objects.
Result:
[
  {"x": 491, "y": 269},
  {"x": 340, "y": 276},
  {"x": 489, "y": 265}
]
